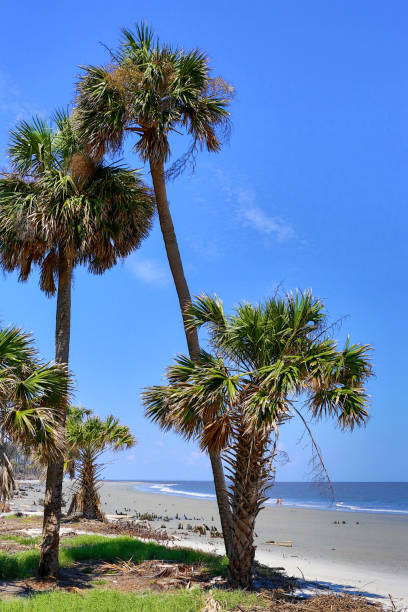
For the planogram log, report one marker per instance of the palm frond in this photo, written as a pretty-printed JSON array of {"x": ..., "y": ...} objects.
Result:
[{"x": 31, "y": 147}]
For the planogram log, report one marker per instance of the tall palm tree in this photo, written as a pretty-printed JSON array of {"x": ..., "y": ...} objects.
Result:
[
  {"x": 151, "y": 90},
  {"x": 270, "y": 362},
  {"x": 30, "y": 394},
  {"x": 87, "y": 439},
  {"x": 59, "y": 209}
]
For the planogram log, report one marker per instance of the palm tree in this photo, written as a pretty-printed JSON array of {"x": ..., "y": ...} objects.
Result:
[
  {"x": 269, "y": 362},
  {"x": 30, "y": 394},
  {"x": 59, "y": 209},
  {"x": 152, "y": 90},
  {"x": 87, "y": 439}
]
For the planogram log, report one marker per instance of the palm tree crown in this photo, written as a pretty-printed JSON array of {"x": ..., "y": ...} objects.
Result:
[
  {"x": 152, "y": 90},
  {"x": 56, "y": 203},
  {"x": 30, "y": 394},
  {"x": 265, "y": 358}
]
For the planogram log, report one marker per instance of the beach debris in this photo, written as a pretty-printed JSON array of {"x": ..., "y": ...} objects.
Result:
[
  {"x": 214, "y": 533},
  {"x": 160, "y": 575},
  {"x": 201, "y": 529},
  {"x": 212, "y": 605},
  {"x": 147, "y": 516},
  {"x": 137, "y": 529},
  {"x": 287, "y": 543}
]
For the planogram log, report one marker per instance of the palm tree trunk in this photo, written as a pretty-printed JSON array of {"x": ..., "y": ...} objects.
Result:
[
  {"x": 89, "y": 504},
  {"x": 55, "y": 471},
  {"x": 183, "y": 292},
  {"x": 249, "y": 480}
]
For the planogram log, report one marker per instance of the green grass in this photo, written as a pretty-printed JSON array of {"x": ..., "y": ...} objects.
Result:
[
  {"x": 88, "y": 547},
  {"x": 24, "y": 540},
  {"x": 186, "y": 600},
  {"x": 23, "y": 519}
]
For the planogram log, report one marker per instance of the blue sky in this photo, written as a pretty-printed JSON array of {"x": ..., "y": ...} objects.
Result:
[{"x": 311, "y": 191}]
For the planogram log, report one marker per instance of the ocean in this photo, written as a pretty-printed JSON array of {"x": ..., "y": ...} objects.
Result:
[{"x": 379, "y": 497}]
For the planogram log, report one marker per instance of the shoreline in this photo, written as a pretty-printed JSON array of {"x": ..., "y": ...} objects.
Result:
[
  {"x": 271, "y": 502},
  {"x": 353, "y": 552}
]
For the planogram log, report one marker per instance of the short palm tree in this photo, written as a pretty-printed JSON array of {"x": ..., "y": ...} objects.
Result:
[
  {"x": 269, "y": 361},
  {"x": 30, "y": 395},
  {"x": 151, "y": 90},
  {"x": 87, "y": 438},
  {"x": 59, "y": 209}
]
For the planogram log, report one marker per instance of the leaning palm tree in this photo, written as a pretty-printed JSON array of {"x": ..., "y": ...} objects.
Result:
[
  {"x": 270, "y": 362},
  {"x": 87, "y": 439},
  {"x": 151, "y": 90},
  {"x": 58, "y": 210},
  {"x": 30, "y": 395}
]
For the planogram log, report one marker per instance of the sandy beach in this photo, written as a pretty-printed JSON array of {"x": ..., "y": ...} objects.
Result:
[{"x": 354, "y": 552}]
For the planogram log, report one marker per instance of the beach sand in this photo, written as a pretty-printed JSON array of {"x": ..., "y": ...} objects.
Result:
[{"x": 354, "y": 552}]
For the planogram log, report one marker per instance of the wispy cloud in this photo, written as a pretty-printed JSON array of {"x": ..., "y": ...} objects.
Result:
[
  {"x": 255, "y": 217},
  {"x": 12, "y": 102},
  {"x": 251, "y": 214},
  {"x": 149, "y": 271}
]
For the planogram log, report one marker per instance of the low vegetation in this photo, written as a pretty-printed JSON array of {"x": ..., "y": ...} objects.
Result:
[
  {"x": 90, "y": 547},
  {"x": 183, "y": 600},
  {"x": 188, "y": 600}
]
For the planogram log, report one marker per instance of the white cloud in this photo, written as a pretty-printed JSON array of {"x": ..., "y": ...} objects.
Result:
[
  {"x": 253, "y": 215},
  {"x": 258, "y": 219},
  {"x": 12, "y": 103},
  {"x": 149, "y": 271}
]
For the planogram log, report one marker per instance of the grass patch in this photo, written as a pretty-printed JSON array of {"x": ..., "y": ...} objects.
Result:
[
  {"x": 11, "y": 516},
  {"x": 99, "y": 581},
  {"x": 232, "y": 599},
  {"x": 19, "y": 565},
  {"x": 188, "y": 600},
  {"x": 24, "y": 540},
  {"x": 88, "y": 547},
  {"x": 23, "y": 518}
]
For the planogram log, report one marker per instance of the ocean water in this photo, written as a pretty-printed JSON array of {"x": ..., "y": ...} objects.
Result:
[{"x": 377, "y": 497}]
